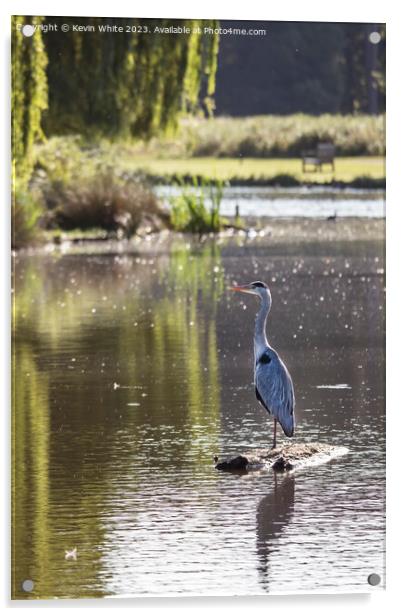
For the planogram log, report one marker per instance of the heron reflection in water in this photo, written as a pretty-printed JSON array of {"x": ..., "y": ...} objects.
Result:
[
  {"x": 273, "y": 383},
  {"x": 274, "y": 513}
]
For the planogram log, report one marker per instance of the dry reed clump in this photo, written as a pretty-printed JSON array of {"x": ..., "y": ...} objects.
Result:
[{"x": 103, "y": 201}]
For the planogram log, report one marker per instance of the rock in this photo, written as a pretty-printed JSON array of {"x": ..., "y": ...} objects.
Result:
[
  {"x": 283, "y": 458},
  {"x": 234, "y": 464},
  {"x": 281, "y": 464}
]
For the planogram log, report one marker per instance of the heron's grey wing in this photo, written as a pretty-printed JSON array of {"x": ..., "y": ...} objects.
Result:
[{"x": 274, "y": 389}]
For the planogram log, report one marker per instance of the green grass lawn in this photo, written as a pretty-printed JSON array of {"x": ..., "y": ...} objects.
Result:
[{"x": 346, "y": 168}]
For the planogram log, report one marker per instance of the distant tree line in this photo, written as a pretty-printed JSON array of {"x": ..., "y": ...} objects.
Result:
[{"x": 304, "y": 67}]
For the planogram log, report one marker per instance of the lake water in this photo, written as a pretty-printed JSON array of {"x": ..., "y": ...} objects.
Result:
[
  {"x": 305, "y": 202},
  {"x": 134, "y": 369}
]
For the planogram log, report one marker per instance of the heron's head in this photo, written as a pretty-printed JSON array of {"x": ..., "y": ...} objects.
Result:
[{"x": 254, "y": 288}]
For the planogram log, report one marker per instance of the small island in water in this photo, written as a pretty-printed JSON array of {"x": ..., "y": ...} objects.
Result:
[{"x": 286, "y": 457}]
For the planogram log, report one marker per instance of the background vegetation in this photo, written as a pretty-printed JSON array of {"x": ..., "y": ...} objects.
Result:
[
  {"x": 356, "y": 171},
  {"x": 134, "y": 83},
  {"x": 270, "y": 136},
  {"x": 304, "y": 67},
  {"x": 28, "y": 95},
  {"x": 92, "y": 83},
  {"x": 197, "y": 208},
  {"x": 96, "y": 115}
]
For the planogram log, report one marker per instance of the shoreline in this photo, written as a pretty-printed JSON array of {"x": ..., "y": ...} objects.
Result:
[
  {"x": 261, "y": 232},
  {"x": 277, "y": 181}
]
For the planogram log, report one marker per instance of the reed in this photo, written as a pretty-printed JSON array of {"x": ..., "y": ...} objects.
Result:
[{"x": 197, "y": 208}]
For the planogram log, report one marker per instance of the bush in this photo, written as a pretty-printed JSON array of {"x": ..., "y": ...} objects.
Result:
[
  {"x": 103, "y": 201},
  {"x": 26, "y": 214},
  {"x": 190, "y": 211}
]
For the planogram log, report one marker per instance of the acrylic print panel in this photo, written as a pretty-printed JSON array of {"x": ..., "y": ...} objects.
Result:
[{"x": 172, "y": 179}]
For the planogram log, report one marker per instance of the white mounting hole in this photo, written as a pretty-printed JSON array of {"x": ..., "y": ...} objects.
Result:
[
  {"x": 28, "y": 585},
  {"x": 374, "y": 38},
  {"x": 28, "y": 30}
]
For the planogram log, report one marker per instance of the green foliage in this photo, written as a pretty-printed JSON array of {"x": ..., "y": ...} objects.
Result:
[
  {"x": 283, "y": 180},
  {"x": 28, "y": 96},
  {"x": 69, "y": 158},
  {"x": 26, "y": 213},
  {"x": 196, "y": 209},
  {"x": 135, "y": 82},
  {"x": 365, "y": 181},
  {"x": 28, "y": 100}
]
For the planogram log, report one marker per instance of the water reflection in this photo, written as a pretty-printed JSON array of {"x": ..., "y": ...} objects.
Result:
[
  {"x": 97, "y": 349},
  {"x": 31, "y": 440},
  {"x": 274, "y": 513}
]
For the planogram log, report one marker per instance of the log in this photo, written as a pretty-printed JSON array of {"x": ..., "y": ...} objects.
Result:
[{"x": 283, "y": 458}]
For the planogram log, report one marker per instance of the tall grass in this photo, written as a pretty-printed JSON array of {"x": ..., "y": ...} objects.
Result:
[
  {"x": 272, "y": 136},
  {"x": 197, "y": 208}
]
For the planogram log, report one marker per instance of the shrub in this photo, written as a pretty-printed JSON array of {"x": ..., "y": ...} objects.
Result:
[
  {"x": 103, "y": 201},
  {"x": 191, "y": 212}
]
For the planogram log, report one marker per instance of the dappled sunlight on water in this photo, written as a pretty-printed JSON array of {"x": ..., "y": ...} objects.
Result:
[{"x": 133, "y": 371}]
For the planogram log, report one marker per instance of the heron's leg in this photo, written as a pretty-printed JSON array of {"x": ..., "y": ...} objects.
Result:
[{"x": 274, "y": 443}]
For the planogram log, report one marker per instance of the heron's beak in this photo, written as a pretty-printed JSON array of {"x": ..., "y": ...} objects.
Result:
[{"x": 244, "y": 288}]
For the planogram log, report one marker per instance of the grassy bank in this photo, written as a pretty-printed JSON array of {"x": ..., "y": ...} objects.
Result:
[
  {"x": 362, "y": 171},
  {"x": 66, "y": 158},
  {"x": 270, "y": 136},
  {"x": 93, "y": 190},
  {"x": 75, "y": 188},
  {"x": 108, "y": 186}
]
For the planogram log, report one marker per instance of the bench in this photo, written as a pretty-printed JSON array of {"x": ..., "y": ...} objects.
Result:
[{"x": 324, "y": 154}]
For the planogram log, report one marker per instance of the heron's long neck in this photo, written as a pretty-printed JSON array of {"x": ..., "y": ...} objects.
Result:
[{"x": 260, "y": 336}]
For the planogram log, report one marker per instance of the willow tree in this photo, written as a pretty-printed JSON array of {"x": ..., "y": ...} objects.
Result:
[
  {"x": 29, "y": 94},
  {"x": 96, "y": 82},
  {"x": 131, "y": 82}
]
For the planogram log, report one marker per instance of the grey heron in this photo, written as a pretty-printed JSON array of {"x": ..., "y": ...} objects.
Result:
[{"x": 273, "y": 383}]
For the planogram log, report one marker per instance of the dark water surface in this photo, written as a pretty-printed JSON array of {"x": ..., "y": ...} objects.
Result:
[{"x": 132, "y": 371}]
